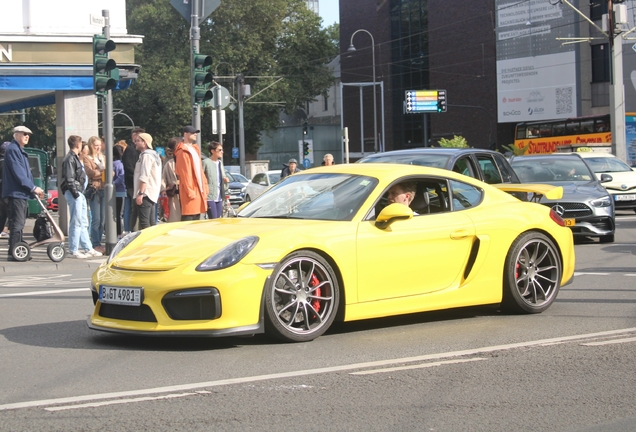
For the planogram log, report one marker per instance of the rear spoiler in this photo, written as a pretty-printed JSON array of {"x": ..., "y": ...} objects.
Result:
[{"x": 538, "y": 190}]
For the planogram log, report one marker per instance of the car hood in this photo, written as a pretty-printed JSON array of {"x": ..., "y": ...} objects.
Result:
[
  {"x": 621, "y": 181},
  {"x": 235, "y": 185},
  {"x": 171, "y": 245},
  {"x": 579, "y": 191}
]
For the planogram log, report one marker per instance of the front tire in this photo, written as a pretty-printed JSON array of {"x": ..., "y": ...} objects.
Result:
[
  {"x": 56, "y": 252},
  {"x": 301, "y": 298},
  {"x": 532, "y": 274}
]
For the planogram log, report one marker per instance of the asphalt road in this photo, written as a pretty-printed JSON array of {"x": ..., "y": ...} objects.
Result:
[{"x": 476, "y": 369}]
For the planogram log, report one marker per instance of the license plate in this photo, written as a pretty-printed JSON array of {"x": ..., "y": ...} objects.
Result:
[
  {"x": 569, "y": 222},
  {"x": 631, "y": 197},
  {"x": 120, "y": 296}
]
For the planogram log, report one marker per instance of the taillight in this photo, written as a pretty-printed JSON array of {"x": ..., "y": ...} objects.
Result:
[{"x": 556, "y": 218}]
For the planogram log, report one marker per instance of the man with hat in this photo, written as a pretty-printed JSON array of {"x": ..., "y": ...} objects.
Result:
[
  {"x": 291, "y": 168},
  {"x": 147, "y": 181},
  {"x": 193, "y": 185},
  {"x": 17, "y": 184}
]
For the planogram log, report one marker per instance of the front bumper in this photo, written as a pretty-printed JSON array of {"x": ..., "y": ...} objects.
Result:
[{"x": 225, "y": 302}]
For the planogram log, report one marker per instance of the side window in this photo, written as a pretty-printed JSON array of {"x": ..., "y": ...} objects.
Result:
[
  {"x": 464, "y": 195},
  {"x": 488, "y": 167},
  {"x": 504, "y": 168},
  {"x": 464, "y": 166},
  {"x": 258, "y": 178},
  {"x": 431, "y": 196}
]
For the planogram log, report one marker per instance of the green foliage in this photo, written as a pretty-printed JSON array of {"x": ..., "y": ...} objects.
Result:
[
  {"x": 262, "y": 39},
  {"x": 456, "y": 142},
  {"x": 41, "y": 121},
  {"x": 515, "y": 150}
]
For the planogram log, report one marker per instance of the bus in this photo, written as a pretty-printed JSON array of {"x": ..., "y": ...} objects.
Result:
[{"x": 565, "y": 135}]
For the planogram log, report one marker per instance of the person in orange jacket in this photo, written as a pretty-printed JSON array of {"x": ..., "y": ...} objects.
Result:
[{"x": 193, "y": 185}]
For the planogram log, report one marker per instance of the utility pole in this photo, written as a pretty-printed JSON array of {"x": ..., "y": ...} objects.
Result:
[
  {"x": 110, "y": 228},
  {"x": 240, "y": 81},
  {"x": 195, "y": 36}
]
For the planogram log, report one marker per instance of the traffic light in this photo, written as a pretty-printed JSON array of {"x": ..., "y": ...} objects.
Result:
[
  {"x": 305, "y": 128},
  {"x": 105, "y": 72},
  {"x": 305, "y": 149},
  {"x": 202, "y": 79},
  {"x": 441, "y": 106}
]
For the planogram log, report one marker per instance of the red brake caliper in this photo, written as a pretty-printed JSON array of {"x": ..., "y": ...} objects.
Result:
[{"x": 312, "y": 283}]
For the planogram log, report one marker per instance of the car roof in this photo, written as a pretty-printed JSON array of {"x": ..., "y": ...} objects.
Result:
[
  {"x": 545, "y": 156},
  {"x": 596, "y": 155},
  {"x": 435, "y": 150}
]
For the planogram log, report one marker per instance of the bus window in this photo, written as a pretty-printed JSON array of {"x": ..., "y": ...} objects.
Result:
[
  {"x": 545, "y": 130},
  {"x": 521, "y": 132},
  {"x": 587, "y": 126},
  {"x": 558, "y": 129},
  {"x": 572, "y": 127},
  {"x": 601, "y": 126}
]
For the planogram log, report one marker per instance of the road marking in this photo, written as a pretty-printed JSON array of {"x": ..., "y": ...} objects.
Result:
[
  {"x": 34, "y": 293},
  {"x": 120, "y": 401},
  {"x": 307, "y": 372},
  {"x": 590, "y": 274},
  {"x": 19, "y": 281},
  {"x": 610, "y": 342},
  {"x": 418, "y": 366}
]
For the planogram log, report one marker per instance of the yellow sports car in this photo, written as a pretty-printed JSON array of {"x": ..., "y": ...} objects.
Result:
[{"x": 337, "y": 243}]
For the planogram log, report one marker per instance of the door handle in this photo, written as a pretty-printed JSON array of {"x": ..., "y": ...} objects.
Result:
[{"x": 460, "y": 234}]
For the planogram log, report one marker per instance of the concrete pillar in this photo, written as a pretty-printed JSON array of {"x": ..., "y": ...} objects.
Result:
[{"x": 76, "y": 114}]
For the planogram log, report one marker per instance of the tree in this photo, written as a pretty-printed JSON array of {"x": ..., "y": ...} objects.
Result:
[
  {"x": 263, "y": 39},
  {"x": 456, "y": 141}
]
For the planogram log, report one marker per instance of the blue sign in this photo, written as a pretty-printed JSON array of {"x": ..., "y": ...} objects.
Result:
[
  {"x": 235, "y": 154},
  {"x": 306, "y": 163}
]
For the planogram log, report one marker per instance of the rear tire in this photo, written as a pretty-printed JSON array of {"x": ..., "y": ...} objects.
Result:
[
  {"x": 532, "y": 274},
  {"x": 21, "y": 252}
]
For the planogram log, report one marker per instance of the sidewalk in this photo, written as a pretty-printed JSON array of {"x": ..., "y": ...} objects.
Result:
[{"x": 40, "y": 262}]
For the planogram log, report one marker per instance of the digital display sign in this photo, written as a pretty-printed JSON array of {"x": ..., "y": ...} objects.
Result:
[{"x": 424, "y": 101}]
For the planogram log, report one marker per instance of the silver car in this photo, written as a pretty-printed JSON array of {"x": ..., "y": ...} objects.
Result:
[{"x": 586, "y": 206}]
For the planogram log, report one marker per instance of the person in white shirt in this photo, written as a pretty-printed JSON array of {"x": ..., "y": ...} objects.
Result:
[{"x": 147, "y": 182}]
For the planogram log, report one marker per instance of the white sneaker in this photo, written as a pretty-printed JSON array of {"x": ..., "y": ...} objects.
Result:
[
  {"x": 92, "y": 253},
  {"x": 79, "y": 255},
  {"x": 4, "y": 234}
]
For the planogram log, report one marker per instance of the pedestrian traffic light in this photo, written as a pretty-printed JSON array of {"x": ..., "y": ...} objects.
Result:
[
  {"x": 305, "y": 148},
  {"x": 441, "y": 106},
  {"x": 202, "y": 79},
  {"x": 105, "y": 72},
  {"x": 305, "y": 127}
]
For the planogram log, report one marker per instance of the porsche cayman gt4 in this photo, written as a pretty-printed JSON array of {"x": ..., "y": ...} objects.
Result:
[{"x": 326, "y": 244}]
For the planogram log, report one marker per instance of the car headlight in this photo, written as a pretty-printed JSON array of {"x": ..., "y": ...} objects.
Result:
[
  {"x": 602, "y": 202},
  {"x": 229, "y": 255},
  {"x": 244, "y": 189},
  {"x": 121, "y": 244}
]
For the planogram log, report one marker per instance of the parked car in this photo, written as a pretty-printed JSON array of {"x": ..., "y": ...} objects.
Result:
[
  {"x": 51, "y": 199},
  {"x": 486, "y": 165},
  {"x": 622, "y": 188},
  {"x": 235, "y": 189},
  {"x": 316, "y": 248},
  {"x": 586, "y": 206},
  {"x": 260, "y": 183},
  {"x": 239, "y": 178}
]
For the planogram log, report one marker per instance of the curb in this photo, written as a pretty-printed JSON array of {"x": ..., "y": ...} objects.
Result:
[{"x": 37, "y": 266}]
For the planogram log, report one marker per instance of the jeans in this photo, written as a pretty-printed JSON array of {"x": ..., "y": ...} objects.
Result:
[
  {"x": 78, "y": 224},
  {"x": 97, "y": 218},
  {"x": 128, "y": 202},
  {"x": 215, "y": 209},
  {"x": 17, "y": 218}
]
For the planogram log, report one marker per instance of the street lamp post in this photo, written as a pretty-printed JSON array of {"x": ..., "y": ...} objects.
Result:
[{"x": 375, "y": 114}]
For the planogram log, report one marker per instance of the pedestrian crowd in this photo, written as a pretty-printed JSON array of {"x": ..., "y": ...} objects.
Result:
[{"x": 186, "y": 186}]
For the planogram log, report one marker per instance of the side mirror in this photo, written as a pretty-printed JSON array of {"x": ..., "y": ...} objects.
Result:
[
  {"x": 606, "y": 178},
  {"x": 263, "y": 183},
  {"x": 392, "y": 213}
]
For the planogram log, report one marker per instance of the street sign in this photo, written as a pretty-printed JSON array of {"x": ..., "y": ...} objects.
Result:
[
  {"x": 184, "y": 7},
  {"x": 306, "y": 163},
  {"x": 424, "y": 101},
  {"x": 97, "y": 20},
  {"x": 306, "y": 151},
  {"x": 225, "y": 98},
  {"x": 235, "y": 153}
]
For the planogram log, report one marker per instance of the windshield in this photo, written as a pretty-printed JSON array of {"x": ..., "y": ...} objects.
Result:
[
  {"x": 428, "y": 160},
  {"x": 336, "y": 197},
  {"x": 273, "y": 177},
  {"x": 239, "y": 178},
  {"x": 607, "y": 165},
  {"x": 551, "y": 170}
]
